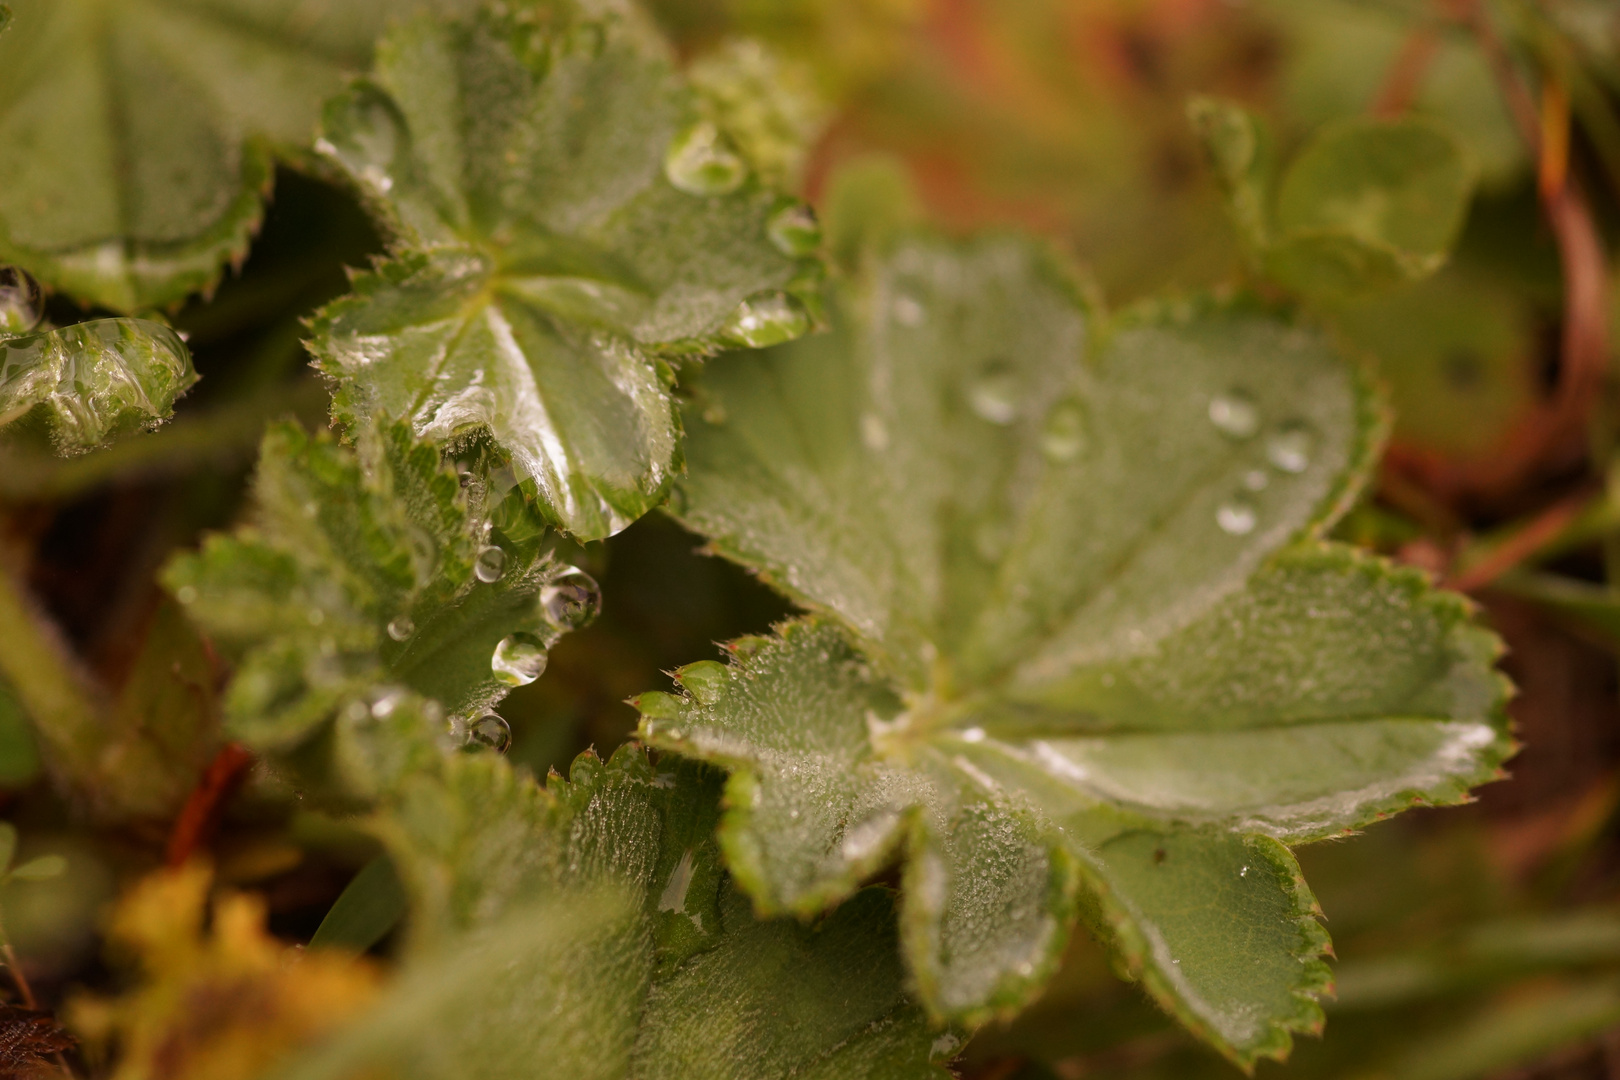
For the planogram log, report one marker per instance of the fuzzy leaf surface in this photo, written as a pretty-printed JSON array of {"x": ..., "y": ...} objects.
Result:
[
  {"x": 1074, "y": 628},
  {"x": 362, "y": 568},
  {"x": 549, "y": 933},
  {"x": 140, "y": 135},
  {"x": 93, "y": 381},
  {"x": 562, "y": 217}
]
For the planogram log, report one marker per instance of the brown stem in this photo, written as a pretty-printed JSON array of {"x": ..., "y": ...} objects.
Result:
[
  {"x": 1522, "y": 545},
  {"x": 1406, "y": 73},
  {"x": 200, "y": 814}
]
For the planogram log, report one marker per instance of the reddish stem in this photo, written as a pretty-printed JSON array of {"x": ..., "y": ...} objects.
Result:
[{"x": 199, "y": 817}]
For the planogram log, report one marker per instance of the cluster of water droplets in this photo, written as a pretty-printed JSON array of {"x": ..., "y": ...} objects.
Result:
[
  {"x": 1288, "y": 450},
  {"x": 22, "y": 305}
]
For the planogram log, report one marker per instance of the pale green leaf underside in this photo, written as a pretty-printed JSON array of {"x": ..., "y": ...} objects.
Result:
[
  {"x": 360, "y": 569},
  {"x": 93, "y": 381},
  {"x": 546, "y": 939},
  {"x": 138, "y": 133},
  {"x": 1076, "y": 643},
  {"x": 544, "y": 256}
]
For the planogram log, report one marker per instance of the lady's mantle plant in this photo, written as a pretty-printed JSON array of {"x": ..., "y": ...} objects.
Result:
[{"x": 1075, "y": 647}]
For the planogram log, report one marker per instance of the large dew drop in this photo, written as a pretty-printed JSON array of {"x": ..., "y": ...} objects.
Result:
[
  {"x": 519, "y": 659},
  {"x": 699, "y": 163},
  {"x": 1289, "y": 448},
  {"x": 490, "y": 732},
  {"x": 1235, "y": 414},
  {"x": 794, "y": 231},
  {"x": 765, "y": 320},
  {"x": 571, "y": 601},
  {"x": 21, "y": 304},
  {"x": 490, "y": 565},
  {"x": 401, "y": 628},
  {"x": 1063, "y": 437},
  {"x": 366, "y": 134},
  {"x": 1237, "y": 516},
  {"x": 993, "y": 393}
]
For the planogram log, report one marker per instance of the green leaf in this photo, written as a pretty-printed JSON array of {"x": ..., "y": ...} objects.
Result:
[
  {"x": 368, "y": 568},
  {"x": 19, "y": 757},
  {"x": 140, "y": 136},
  {"x": 43, "y": 868},
  {"x": 562, "y": 216},
  {"x": 1367, "y": 204},
  {"x": 1075, "y": 626},
  {"x": 541, "y": 933},
  {"x": 367, "y": 909},
  {"x": 93, "y": 381}
]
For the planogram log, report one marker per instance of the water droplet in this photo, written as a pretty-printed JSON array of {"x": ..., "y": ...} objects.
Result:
[
  {"x": 1289, "y": 447},
  {"x": 993, "y": 393},
  {"x": 1063, "y": 437},
  {"x": 699, "y": 163},
  {"x": 908, "y": 311},
  {"x": 1256, "y": 480},
  {"x": 186, "y": 594},
  {"x": 401, "y": 627},
  {"x": 1235, "y": 414},
  {"x": 519, "y": 659},
  {"x": 315, "y": 616},
  {"x": 464, "y": 478},
  {"x": 366, "y": 133},
  {"x": 22, "y": 305},
  {"x": 385, "y": 705},
  {"x": 572, "y": 600},
  {"x": 491, "y": 564},
  {"x": 1243, "y": 872},
  {"x": 490, "y": 732},
  {"x": 1237, "y": 516},
  {"x": 765, "y": 320},
  {"x": 874, "y": 433},
  {"x": 794, "y": 231}
]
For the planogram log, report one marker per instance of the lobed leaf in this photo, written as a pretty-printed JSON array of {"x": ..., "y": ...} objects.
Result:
[
  {"x": 546, "y": 931},
  {"x": 1366, "y": 204},
  {"x": 140, "y": 136},
  {"x": 563, "y": 217},
  {"x": 367, "y": 568},
  {"x": 93, "y": 381},
  {"x": 1077, "y": 643}
]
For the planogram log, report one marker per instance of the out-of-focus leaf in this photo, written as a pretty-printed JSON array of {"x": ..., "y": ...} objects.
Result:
[
  {"x": 543, "y": 934},
  {"x": 1338, "y": 56},
  {"x": 19, "y": 757},
  {"x": 93, "y": 381},
  {"x": 1075, "y": 630},
  {"x": 562, "y": 214},
  {"x": 1456, "y": 352},
  {"x": 137, "y": 205},
  {"x": 1593, "y": 608},
  {"x": 220, "y": 1004},
  {"x": 367, "y": 909},
  {"x": 370, "y": 567},
  {"x": 1369, "y": 203},
  {"x": 41, "y": 869}
]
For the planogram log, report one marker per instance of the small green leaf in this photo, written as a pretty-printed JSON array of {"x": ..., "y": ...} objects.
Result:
[
  {"x": 1367, "y": 204},
  {"x": 43, "y": 868},
  {"x": 366, "y": 568},
  {"x": 93, "y": 381},
  {"x": 557, "y": 903},
  {"x": 138, "y": 205},
  {"x": 1078, "y": 642},
  {"x": 562, "y": 215},
  {"x": 367, "y": 909},
  {"x": 1370, "y": 203}
]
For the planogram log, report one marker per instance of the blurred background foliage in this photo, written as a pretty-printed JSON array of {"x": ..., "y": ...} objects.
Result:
[{"x": 1472, "y": 943}]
